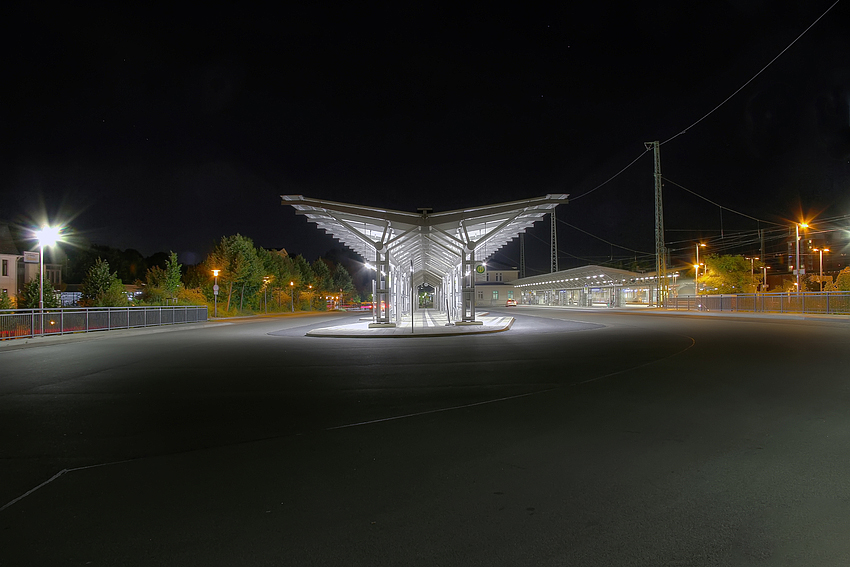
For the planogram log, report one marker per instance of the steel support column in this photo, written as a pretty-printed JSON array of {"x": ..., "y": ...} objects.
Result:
[{"x": 468, "y": 285}]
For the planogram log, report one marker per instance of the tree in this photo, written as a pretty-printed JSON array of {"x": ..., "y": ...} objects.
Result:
[
  {"x": 841, "y": 283},
  {"x": 240, "y": 266},
  {"x": 6, "y": 302},
  {"x": 29, "y": 295},
  {"x": 729, "y": 274},
  {"x": 171, "y": 283},
  {"x": 342, "y": 281},
  {"x": 279, "y": 268},
  {"x": 197, "y": 277},
  {"x": 101, "y": 288},
  {"x": 304, "y": 278}
]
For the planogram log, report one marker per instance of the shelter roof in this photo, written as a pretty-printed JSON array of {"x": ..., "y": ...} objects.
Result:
[
  {"x": 597, "y": 276},
  {"x": 432, "y": 243}
]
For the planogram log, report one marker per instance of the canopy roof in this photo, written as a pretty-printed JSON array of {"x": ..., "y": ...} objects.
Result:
[
  {"x": 432, "y": 243},
  {"x": 590, "y": 276}
]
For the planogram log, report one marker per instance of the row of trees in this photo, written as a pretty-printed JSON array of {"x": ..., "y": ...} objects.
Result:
[
  {"x": 249, "y": 279},
  {"x": 737, "y": 274},
  {"x": 271, "y": 280}
]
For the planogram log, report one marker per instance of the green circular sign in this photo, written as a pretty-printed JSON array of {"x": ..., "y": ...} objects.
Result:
[{"x": 480, "y": 268}]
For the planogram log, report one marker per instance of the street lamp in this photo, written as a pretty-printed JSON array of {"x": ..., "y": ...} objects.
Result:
[
  {"x": 47, "y": 236},
  {"x": 697, "y": 245},
  {"x": 292, "y": 295},
  {"x": 696, "y": 279},
  {"x": 821, "y": 250},
  {"x": 265, "y": 297},
  {"x": 797, "y": 227},
  {"x": 752, "y": 268},
  {"x": 215, "y": 293}
]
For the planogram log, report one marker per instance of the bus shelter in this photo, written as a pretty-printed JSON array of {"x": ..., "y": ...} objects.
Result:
[{"x": 439, "y": 249}]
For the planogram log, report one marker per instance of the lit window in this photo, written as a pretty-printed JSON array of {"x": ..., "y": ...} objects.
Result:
[{"x": 496, "y": 294}]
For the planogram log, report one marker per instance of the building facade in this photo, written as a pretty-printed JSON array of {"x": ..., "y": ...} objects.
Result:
[{"x": 15, "y": 272}]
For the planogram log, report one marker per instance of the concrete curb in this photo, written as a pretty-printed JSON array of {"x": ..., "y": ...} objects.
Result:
[{"x": 359, "y": 331}]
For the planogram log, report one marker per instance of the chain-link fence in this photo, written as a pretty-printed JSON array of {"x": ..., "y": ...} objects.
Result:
[{"x": 18, "y": 323}]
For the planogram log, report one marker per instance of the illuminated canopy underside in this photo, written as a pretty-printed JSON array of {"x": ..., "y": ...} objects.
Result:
[{"x": 432, "y": 243}]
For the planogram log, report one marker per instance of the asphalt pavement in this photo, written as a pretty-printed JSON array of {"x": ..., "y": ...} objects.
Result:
[{"x": 573, "y": 438}]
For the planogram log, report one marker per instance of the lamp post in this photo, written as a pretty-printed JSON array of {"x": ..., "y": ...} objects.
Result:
[
  {"x": 292, "y": 295},
  {"x": 215, "y": 293},
  {"x": 47, "y": 236},
  {"x": 797, "y": 227},
  {"x": 265, "y": 296},
  {"x": 697, "y": 245},
  {"x": 764, "y": 279},
  {"x": 752, "y": 268},
  {"x": 696, "y": 279},
  {"x": 821, "y": 250}
]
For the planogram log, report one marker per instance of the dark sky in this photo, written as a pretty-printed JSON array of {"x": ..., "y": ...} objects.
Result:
[{"x": 166, "y": 129}]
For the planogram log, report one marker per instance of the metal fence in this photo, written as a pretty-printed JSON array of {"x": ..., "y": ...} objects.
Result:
[
  {"x": 832, "y": 302},
  {"x": 20, "y": 323}
]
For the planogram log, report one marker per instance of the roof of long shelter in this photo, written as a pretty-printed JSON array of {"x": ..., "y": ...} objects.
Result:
[{"x": 592, "y": 276}]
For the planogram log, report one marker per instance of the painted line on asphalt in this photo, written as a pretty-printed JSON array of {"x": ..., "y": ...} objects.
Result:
[
  {"x": 438, "y": 410},
  {"x": 57, "y": 475}
]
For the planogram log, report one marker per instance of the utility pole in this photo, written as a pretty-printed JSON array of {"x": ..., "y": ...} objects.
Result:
[
  {"x": 554, "y": 244},
  {"x": 662, "y": 286}
]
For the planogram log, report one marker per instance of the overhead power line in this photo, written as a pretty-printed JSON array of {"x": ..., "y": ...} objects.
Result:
[
  {"x": 709, "y": 113},
  {"x": 602, "y": 239},
  {"x": 718, "y": 204},
  {"x": 728, "y": 98}
]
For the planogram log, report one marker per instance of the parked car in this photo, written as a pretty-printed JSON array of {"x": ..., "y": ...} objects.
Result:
[{"x": 511, "y": 303}]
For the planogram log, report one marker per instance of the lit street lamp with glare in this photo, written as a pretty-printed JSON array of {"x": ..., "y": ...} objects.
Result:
[
  {"x": 697, "y": 245},
  {"x": 215, "y": 293},
  {"x": 797, "y": 227},
  {"x": 821, "y": 250},
  {"x": 47, "y": 236}
]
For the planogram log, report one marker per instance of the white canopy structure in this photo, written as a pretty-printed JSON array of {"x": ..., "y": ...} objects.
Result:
[{"x": 438, "y": 249}]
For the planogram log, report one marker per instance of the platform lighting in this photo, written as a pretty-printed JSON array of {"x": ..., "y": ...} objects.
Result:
[{"x": 47, "y": 236}]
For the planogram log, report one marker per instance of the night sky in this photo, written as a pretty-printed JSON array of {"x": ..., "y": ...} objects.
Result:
[{"x": 166, "y": 129}]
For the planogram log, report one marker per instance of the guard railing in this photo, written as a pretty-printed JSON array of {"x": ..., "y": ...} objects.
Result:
[
  {"x": 20, "y": 323},
  {"x": 830, "y": 302}
]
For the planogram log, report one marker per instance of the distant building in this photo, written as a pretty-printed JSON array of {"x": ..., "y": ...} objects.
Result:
[
  {"x": 15, "y": 272},
  {"x": 494, "y": 286}
]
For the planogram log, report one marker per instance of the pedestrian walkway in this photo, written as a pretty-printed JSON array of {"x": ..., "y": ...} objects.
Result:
[{"x": 426, "y": 323}]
